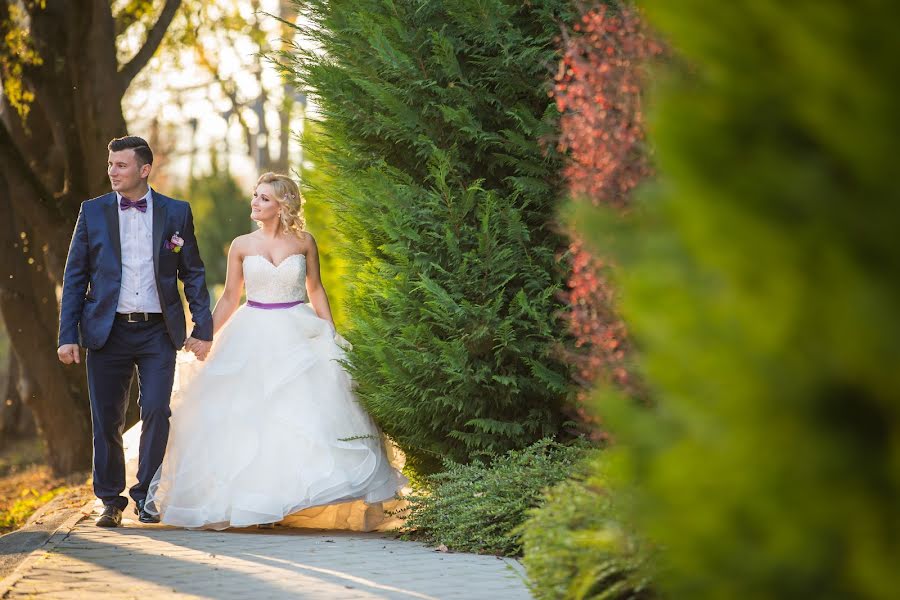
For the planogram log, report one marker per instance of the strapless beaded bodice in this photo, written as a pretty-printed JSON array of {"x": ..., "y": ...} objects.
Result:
[{"x": 269, "y": 283}]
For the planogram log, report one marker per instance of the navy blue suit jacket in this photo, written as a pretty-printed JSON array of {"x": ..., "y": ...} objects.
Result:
[{"x": 93, "y": 274}]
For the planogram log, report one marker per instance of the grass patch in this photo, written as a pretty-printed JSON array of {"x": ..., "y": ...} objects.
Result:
[
  {"x": 29, "y": 501},
  {"x": 26, "y": 483}
]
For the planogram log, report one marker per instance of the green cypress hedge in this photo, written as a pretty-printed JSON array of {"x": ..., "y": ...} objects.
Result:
[
  {"x": 432, "y": 119},
  {"x": 760, "y": 281}
]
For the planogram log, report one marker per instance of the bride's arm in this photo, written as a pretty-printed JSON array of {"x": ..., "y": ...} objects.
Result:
[
  {"x": 314, "y": 288},
  {"x": 234, "y": 283}
]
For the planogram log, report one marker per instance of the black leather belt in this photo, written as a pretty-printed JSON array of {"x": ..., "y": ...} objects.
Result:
[{"x": 139, "y": 317}]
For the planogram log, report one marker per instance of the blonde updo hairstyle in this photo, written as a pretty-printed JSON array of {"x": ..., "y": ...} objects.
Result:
[{"x": 287, "y": 193}]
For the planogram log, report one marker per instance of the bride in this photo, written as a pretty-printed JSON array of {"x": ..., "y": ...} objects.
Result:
[{"x": 267, "y": 424}]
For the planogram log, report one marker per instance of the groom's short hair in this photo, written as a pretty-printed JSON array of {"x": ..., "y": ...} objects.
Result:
[{"x": 140, "y": 146}]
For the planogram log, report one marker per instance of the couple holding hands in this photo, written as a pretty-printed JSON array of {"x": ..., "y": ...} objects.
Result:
[{"x": 258, "y": 420}]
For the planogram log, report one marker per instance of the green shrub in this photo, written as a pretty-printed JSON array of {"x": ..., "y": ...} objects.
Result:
[
  {"x": 576, "y": 544},
  {"x": 430, "y": 142},
  {"x": 759, "y": 280},
  {"x": 322, "y": 221},
  {"x": 478, "y": 507}
]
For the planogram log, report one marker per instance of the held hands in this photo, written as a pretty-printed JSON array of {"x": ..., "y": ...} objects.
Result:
[
  {"x": 68, "y": 354},
  {"x": 200, "y": 348},
  {"x": 339, "y": 339}
]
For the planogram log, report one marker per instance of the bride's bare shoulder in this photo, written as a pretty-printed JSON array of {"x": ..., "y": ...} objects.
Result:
[
  {"x": 242, "y": 244},
  {"x": 307, "y": 242}
]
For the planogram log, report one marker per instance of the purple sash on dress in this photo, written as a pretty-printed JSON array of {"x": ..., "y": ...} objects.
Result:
[{"x": 271, "y": 305}]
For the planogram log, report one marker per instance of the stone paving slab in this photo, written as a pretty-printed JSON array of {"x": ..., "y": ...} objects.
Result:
[{"x": 154, "y": 561}]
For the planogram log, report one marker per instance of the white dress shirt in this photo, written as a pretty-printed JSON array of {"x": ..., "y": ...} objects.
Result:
[{"x": 138, "y": 292}]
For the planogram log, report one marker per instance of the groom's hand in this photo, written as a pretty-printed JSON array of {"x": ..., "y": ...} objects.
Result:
[
  {"x": 200, "y": 348},
  {"x": 68, "y": 354}
]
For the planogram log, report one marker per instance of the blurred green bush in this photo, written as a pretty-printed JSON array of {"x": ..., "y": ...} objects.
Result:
[
  {"x": 759, "y": 279},
  {"x": 577, "y": 545}
]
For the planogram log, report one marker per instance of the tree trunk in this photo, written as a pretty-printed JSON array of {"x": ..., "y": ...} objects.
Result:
[
  {"x": 50, "y": 161},
  {"x": 16, "y": 420},
  {"x": 56, "y": 396},
  {"x": 23, "y": 425}
]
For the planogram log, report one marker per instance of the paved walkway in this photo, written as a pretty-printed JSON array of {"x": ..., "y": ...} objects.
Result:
[{"x": 141, "y": 561}]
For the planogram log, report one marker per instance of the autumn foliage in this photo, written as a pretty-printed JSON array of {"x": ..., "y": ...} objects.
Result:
[{"x": 598, "y": 91}]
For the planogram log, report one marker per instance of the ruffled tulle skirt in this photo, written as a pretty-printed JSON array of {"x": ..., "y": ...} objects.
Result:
[{"x": 268, "y": 426}]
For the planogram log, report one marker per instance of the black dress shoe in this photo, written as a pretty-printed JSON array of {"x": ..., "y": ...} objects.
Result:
[
  {"x": 111, "y": 517},
  {"x": 142, "y": 514}
]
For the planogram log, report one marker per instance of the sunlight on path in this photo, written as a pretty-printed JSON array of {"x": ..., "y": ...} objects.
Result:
[{"x": 154, "y": 562}]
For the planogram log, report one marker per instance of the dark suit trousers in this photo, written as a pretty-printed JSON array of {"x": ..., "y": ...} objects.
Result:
[{"x": 147, "y": 346}]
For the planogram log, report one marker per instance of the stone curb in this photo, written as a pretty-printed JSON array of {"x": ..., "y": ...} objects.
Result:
[{"x": 58, "y": 535}]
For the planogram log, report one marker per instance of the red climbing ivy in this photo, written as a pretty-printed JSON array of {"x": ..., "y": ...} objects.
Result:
[{"x": 598, "y": 90}]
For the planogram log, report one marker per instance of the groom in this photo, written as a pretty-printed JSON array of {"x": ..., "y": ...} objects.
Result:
[{"x": 120, "y": 301}]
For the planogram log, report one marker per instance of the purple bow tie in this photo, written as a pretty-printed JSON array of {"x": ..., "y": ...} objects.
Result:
[{"x": 125, "y": 204}]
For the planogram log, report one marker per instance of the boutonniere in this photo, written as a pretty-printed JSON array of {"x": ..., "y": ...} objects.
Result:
[{"x": 175, "y": 243}]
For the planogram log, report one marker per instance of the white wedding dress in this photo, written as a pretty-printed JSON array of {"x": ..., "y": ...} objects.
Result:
[{"x": 268, "y": 424}]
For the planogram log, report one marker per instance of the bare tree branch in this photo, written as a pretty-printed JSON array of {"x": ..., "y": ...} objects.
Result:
[
  {"x": 228, "y": 88},
  {"x": 154, "y": 38}
]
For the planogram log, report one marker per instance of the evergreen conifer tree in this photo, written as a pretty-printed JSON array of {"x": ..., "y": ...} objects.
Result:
[
  {"x": 433, "y": 116},
  {"x": 759, "y": 280},
  {"x": 322, "y": 221}
]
